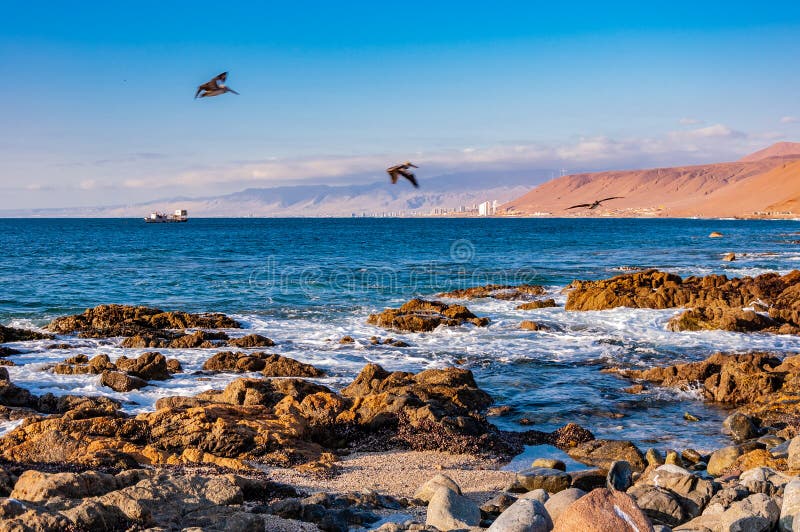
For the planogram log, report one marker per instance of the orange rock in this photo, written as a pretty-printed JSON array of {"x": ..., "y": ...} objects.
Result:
[{"x": 603, "y": 510}]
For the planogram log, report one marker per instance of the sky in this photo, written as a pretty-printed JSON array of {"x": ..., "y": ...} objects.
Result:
[{"x": 98, "y": 103}]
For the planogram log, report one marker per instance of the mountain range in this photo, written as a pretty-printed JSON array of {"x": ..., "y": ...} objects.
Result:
[
  {"x": 763, "y": 184},
  {"x": 449, "y": 191}
]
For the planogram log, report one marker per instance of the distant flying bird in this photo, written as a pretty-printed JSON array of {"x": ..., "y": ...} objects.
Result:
[
  {"x": 594, "y": 205},
  {"x": 215, "y": 87},
  {"x": 403, "y": 170}
]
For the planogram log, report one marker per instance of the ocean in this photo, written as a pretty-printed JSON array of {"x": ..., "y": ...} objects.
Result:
[{"x": 305, "y": 283}]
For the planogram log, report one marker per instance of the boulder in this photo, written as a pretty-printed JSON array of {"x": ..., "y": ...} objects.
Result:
[
  {"x": 529, "y": 325},
  {"x": 447, "y": 510},
  {"x": 550, "y": 480},
  {"x": 722, "y": 459},
  {"x": 426, "y": 491},
  {"x": 148, "y": 366},
  {"x": 550, "y": 463},
  {"x": 250, "y": 341},
  {"x": 620, "y": 476},
  {"x": 121, "y": 382},
  {"x": 589, "y": 479},
  {"x": 603, "y": 510},
  {"x": 541, "y": 303},
  {"x": 419, "y": 315},
  {"x": 603, "y": 453},
  {"x": 790, "y": 509},
  {"x": 497, "y": 504},
  {"x": 659, "y": 504},
  {"x": 560, "y": 501},
  {"x": 756, "y": 513},
  {"x": 793, "y": 453},
  {"x": 525, "y": 515}
]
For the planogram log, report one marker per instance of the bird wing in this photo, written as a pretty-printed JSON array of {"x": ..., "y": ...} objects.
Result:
[
  {"x": 578, "y": 206},
  {"x": 222, "y": 77},
  {"x": 392, "y": 174},
  {"x": 612, "y": 197},
  {"x": 410, "y": 177}
]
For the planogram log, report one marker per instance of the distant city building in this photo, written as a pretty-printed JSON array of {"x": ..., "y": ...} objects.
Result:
[{"x": 487, "y": 208}]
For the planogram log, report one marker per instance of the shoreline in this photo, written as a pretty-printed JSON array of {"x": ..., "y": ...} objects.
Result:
[{"x": 388, "y": 432}]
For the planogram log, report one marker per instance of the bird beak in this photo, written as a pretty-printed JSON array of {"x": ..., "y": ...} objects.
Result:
[{"x": 233, "y": 91}]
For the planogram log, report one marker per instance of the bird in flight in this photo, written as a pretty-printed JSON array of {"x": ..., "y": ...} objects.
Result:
[
  {"x": 403, "y": 170},
  {"x": 215, "y": 87},
  {"x": 594, "y": 205}
]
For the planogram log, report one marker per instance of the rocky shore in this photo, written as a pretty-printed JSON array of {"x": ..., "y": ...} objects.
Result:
[{"x": 394, "y": 451}]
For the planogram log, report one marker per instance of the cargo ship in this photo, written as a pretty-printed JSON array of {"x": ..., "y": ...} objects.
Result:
[{"x": 179, "y": 215}]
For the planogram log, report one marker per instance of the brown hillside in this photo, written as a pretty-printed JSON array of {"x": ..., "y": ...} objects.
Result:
[
  {"x": 779, "y": 149},
  {"x": 770, "y": 183}
]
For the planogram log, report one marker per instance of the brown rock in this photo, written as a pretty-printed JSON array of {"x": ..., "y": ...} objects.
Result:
[
  {"x": 198, "y": 339},
  {"x": 250, "y": 341},
  {"x": 529, "y": 325},
  {"x": 541, "y": 303},
  {"x": 603, "y": 453},
  {"x": 496, "y": 291},
  {"x": 270, "y": 365},
  {"x": 124, "y": 320},
  {"x": 419, "y": 315},
  {"x": 121, "y": 382},
  {"x": 603, "y": 510},
  {"x": 148, "y": 366},
  {"x": 11, "y": 334}
]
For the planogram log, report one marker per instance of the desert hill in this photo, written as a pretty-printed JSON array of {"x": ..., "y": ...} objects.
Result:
[
  {"x": 779, "y": 149},
  {"x": 765, "y": 183}
]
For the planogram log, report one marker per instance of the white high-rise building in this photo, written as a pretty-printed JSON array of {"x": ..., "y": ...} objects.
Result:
[{"x": 485, "y": 209}]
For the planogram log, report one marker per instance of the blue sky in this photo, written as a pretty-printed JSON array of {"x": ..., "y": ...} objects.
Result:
[{"x": 98, "y": 103}]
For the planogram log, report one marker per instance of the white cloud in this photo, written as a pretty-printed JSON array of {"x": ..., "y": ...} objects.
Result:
[
  {"x": 707, "y": 144},
  {"x": 717, "y": 131},
  {"x": 789, "y": 120},
  {"x": 689, "y": 121}
]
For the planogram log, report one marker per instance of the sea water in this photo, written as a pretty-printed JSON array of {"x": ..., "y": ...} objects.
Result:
[{"x": 305, "y": 283}]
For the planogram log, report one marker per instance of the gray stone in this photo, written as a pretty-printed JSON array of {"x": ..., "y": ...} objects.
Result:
[
  {"x": 447, "y": 510},
  {"x": 659, "y": 504},
  {"x": 561, "y": 500},
  {"x": 790, "y": 509},
  {"x": 620, "y": 476},
  {"x": 756, "y": 513},
  {"x": 550, "y": 480},
  {"x": 781, "y": 450},
  {"x": 525, "y": 515},
  {"x": 426, "y": 491},
  {"x": 536, "y": 495},
  {"x": 793, "y": 460},
  {"x": 740, "y": 427},
  {"x": 498, "y": 504}
]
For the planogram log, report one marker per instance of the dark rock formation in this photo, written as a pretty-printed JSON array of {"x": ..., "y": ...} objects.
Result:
[{"x": 419, "y": 315}]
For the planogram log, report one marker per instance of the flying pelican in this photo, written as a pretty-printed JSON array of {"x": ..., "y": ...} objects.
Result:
[
  {"x": 594, "y": 205},
  {"x": 215, "y": 87},
  {"x": 403, "y": 170}
]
